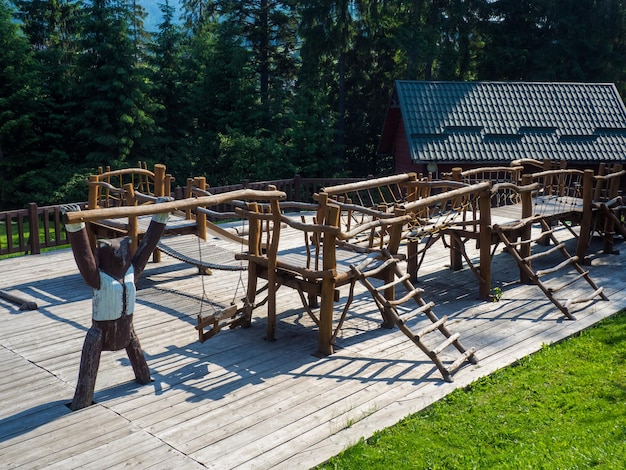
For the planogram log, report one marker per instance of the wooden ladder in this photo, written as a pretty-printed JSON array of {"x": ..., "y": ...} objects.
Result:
[
  {"x": 520, "y": 249},
  {"x": 373, "y": 266}
]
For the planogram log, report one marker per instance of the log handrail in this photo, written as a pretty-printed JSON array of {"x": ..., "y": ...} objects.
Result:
[
  {"x": 176, "y": 205},
  {"x": 105, "y": 185},
  {"x": 435, "y": 184},
  {"x": 564, "y": 171},
  {"x": 369, "y": 184},
  {"x": 341, "y": 235},
  {"x": 414, "y": 206},
  {"x": 125, "y": 171},
  {"x": 514, "y": 187}
]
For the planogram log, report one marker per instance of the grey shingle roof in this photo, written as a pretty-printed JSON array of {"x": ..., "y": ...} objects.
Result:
[{"x": 503, "y": 121}]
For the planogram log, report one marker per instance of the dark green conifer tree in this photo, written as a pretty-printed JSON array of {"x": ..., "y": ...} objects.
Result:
[
  {"x": 169, "y": 90},
  {"x": 53, "y": 29},
  {"x": 20, "y": 94},
  {"x": 111, "y": 90}
]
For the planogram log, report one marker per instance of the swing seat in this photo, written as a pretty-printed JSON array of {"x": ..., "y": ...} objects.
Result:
[{"x": 216, "y": 321}]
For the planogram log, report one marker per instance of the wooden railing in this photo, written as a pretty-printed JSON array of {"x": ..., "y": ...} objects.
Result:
[
  {"x": 297, "y": 189},
  {"x": 16, "y": 226}
]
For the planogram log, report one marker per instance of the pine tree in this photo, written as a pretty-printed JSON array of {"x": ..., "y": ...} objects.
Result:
[
  {"x": 19, "y": 101},
  {"x": 169, "y": 93},
  {"x": 53, "y": 30},
  {"x": 111, "y": 91}
]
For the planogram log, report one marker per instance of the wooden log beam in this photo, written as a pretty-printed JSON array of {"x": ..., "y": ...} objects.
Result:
[
  {"x": 431, "y": 200},
  {"x": 181, "y": 204},
  {"x": 368, "y": 184},
  {"x": 23, "y": 303}
]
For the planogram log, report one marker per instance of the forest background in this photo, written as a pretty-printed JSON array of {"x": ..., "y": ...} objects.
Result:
[{"x": 258, "y": 89}]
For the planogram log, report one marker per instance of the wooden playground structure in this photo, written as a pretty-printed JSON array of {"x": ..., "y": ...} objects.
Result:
[{"x": 376, "y": 232}]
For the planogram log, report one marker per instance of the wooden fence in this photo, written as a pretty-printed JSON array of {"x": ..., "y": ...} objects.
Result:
[{"x": 17, "y": 228}]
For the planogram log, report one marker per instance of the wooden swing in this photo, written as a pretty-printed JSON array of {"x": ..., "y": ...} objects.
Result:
[{"x": 230, "y": 316}]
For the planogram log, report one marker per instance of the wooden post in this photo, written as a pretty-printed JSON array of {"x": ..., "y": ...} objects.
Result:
[
  {"x": 272, "y": 261},
  {"x": 410, "y": 188},
  {"x": 527, "y": 211},
  {"x": 527, "y": 197},
  {"x": 92, "y": 203},
  {"x": 412, "y": 195},
  {"x": 168, "y": 185},
  {"x": 607, "y": 239},
  {"x": 188, "y": 192},
  {"x": 599, "y": 183},
  {"x": 133, "y": 222},
  {"x": 395, "y": 234},
  {"x": 456, "y": 174},
  {"x": 200, "y": 182},
  {"x": 456, "y": 256},
  {"x": 615, "y": 182},
  {"x": 395, "y": 237},
  {"x": 254, "y": 248},
  {"x": 612, "y": 191},
  {"x": 33, "y": 225},
  {"x": 484, "y": 283},
  {"x": 159, "y": 180},
  {"x": 297, "y": 189},
  {"x": 94, "y": 189},
  {"x": 322, "y": 208},
  {"x": 327, "y": 303},
  {"x": 587, "y": 214}
]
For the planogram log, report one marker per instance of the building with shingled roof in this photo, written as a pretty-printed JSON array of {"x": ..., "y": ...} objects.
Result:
[{"x": 435, "y": 126}]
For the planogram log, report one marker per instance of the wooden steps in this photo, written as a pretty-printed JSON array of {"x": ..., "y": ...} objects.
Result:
[
  {"x": 384, "y": 296},
  {"x": 519, "y": 250}
]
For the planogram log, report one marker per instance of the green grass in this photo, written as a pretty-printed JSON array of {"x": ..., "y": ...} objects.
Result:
[
  {"x": 16, "y": 241},
  {"x": 561, "y": 408}
]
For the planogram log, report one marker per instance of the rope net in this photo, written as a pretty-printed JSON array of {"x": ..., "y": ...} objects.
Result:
[
  {"x": 433, "y": 220},
  {"x": 558, "y": 192}
]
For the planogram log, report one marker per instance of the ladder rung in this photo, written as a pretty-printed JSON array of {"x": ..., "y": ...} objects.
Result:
[
  {"x": 366, "y": 262},
  {"x": 461, "y": 359},
  {"x": 406, "y": 298},
  {"x": 543, "y": 234},
  {"x": 531, "y": 240},
  {"x": 514, "y": 226},
  {"x": 432, "y": 327},
  {"x": 558, "y": 267},
  {"x": 446, "y": 343},
  {"x": 585, "y": 298},
  {"x": 379, "y": 268},
  {"x": 395, "y": 282},
  {"x": 545, "y": 253},
  {"x": 568, "y": 283}
]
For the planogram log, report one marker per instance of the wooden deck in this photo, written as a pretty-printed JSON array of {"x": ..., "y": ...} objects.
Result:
[{"x": 238, "y": 401}]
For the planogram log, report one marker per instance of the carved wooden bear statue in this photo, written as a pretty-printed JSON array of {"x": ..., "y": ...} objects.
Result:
[{"x": 112, "y": 272}]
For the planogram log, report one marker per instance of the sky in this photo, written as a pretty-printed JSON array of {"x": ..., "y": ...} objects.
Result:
[{"x": 154, "y": 12}]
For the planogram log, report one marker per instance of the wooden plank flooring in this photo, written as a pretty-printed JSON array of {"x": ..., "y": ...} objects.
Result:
[{"x": 238, "y": 401}]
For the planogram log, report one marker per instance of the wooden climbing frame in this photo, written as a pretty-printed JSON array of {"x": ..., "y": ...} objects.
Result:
[{"x": 340, "y": 234}]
